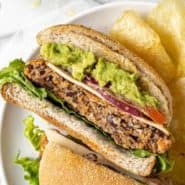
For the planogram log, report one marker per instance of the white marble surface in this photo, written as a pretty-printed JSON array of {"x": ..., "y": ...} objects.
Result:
[
  {"x": 19, "y": 17},
  {"x": 15, "y": 15}
]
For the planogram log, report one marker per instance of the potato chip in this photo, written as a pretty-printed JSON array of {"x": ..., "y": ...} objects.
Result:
[
  {"x": 177, "y": 152},
  {"x": 167, "y": 19},
  {"x": 133, "y": 32}
]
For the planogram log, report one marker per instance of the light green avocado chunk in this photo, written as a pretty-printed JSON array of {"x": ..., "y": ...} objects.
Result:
[
  {"x": 68, "y": 56},
  {"x": 83, "y": 62},
  {"x": 121, "y": 82}
]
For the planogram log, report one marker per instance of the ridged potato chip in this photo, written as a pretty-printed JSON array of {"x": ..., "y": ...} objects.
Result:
[
  {"x": 133, "y": 32},
  {"x": 167, "y": 19},
  {"x": 177, "y": 152}
]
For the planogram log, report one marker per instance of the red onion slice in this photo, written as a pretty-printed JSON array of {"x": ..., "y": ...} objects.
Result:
[
  {"x": 121, "y": 105},
  {"x": 113, "y": 100},
  {"x": 91, "y": 80}
]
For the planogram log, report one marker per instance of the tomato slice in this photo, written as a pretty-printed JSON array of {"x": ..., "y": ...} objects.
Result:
[{"x": 156, "y": 115}]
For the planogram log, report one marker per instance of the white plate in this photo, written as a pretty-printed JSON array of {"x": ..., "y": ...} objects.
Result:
[{"x": 12, "y": 139}]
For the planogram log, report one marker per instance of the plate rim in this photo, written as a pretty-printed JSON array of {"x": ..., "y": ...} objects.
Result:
[{"x": 3, "y": 178}]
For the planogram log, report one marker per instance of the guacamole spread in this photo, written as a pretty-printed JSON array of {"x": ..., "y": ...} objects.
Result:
[
  {"x": 105, "y": 72},
  {"x": 68, "y": 56}
]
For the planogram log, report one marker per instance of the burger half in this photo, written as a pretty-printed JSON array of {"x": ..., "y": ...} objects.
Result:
[{"x": 100, "y": 93}]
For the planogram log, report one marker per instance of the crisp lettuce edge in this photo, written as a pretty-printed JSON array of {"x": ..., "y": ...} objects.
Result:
[{"x": 31, "y": 165}]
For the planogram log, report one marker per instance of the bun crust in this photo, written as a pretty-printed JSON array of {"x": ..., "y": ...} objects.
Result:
[
  {"x": 14, "y": 93},
  {"x": 68, "y": 168},
  {"x": 101, "y": 45}
]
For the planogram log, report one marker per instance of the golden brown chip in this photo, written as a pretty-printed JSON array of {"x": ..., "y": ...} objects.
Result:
[
  {"x": 177, "y": 152},
  {"x": 133, "y": 32},
  {"x": 167, "y": 19}
]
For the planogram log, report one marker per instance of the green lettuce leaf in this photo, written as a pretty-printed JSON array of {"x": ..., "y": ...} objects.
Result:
[
  {"x": 31, "y": 169},
  {"x": 32, "y": 132},
  {"x": 14, "y": 74},
  {"x": 29, "y": 165},
  {"x": 163, "y": 163},
  {"x": 141, "y": 153}
]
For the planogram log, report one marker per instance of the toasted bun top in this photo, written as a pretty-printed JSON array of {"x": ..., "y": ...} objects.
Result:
[
  {"x": 101, "y": 45},
  {"x": 60, "y": 166}
]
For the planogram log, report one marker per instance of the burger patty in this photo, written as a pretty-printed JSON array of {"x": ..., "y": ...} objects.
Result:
[{"x": 125, "y": 130}]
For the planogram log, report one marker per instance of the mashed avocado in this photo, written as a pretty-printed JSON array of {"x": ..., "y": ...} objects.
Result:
[
  {"x": 121, "y": 82},
  {"x": 68, "y": 56},
  {"x": 82, "y": 62}
]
